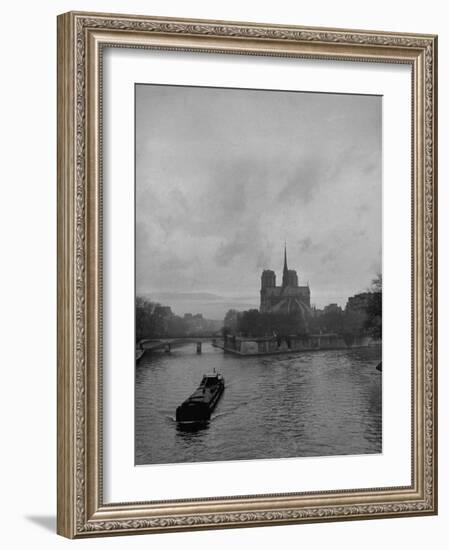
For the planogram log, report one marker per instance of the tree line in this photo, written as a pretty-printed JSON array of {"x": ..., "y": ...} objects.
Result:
[
  {"x": 154, "y": 320},
  {"x": 366, "y": 320}
]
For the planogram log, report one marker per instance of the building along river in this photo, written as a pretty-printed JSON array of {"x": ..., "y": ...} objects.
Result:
[{"x": 316, "y": 403}]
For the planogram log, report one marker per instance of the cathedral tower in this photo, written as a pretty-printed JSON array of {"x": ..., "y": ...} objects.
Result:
[
  {"x": 289, "y": 276},
  {"x": 268, "y": 279},
  {"x": 285, "y": 272},
  {"x": 288, "y": 297}
]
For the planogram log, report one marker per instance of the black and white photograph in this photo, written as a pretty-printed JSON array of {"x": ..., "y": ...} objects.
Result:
[{"x": 258, "y": 274}]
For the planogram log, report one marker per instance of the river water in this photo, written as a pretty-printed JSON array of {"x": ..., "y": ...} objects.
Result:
[{"x": 317, "y": 403}]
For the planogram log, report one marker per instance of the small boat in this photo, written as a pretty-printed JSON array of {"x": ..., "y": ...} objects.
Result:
[{"x": 199, "y": 406}]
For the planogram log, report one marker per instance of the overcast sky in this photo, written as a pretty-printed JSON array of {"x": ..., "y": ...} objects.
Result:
[{"x": 224, "y": 176}]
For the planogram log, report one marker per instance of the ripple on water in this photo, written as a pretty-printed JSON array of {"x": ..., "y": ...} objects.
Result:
[{"x": 310, "y": 404}]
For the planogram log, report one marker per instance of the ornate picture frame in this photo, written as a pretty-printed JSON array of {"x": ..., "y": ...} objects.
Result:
[{"x": 82, "y": 39}]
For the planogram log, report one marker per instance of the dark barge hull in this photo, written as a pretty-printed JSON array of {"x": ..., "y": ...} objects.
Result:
[{"x": 199, "y": 406}]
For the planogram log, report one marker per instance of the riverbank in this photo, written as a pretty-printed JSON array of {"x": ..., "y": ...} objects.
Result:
[{"x": 278, "y": 346}]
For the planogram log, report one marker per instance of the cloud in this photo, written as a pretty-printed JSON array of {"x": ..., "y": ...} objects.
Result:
[
  {"x": 304, "y": 182},
  {"x": 304, "y": 244},
  {"x": 223, "y": 177},
  {"x": 244, "y": 242},
  {"x": 329, "y": 257},
  {"x": 229, "y": 250}
]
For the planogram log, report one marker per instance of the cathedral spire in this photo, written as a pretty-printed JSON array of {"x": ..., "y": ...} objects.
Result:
[{"x": 285, "y": 272}]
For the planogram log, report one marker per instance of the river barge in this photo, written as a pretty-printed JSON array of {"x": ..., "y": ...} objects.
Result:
[{"x": 199, "y": 406}]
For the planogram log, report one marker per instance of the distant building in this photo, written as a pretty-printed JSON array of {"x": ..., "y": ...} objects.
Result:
[
  {"x": 332, "y": 308},
  {"x": 288, "y": 298},
  {"x": 316, "y": 312},
  {"x": 195, "y": 323},
  {"x": 359, "y": 302}
]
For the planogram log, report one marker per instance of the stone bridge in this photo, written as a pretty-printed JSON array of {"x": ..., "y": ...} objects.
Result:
[{"x": 167, "y": 344}]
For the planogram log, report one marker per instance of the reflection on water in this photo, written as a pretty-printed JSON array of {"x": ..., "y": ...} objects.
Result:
[
  {"x": 192, "y": 427},
  {"x": 309, "y": 404}
]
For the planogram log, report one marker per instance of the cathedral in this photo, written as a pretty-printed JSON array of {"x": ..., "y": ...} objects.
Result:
[{"x": 288, "y": 298}]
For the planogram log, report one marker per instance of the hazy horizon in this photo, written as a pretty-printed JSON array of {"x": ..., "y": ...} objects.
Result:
[{"x": 214, "y": 306}]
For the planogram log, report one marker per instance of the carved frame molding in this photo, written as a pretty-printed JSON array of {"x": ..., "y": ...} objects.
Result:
[{"x": 81, "y": 39}]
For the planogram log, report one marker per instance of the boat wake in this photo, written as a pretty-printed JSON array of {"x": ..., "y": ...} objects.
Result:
[
  {"x": 172, "y": 419},
  {"x": 220, "y": 414},
  {"x": 235, "y": 408}
]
